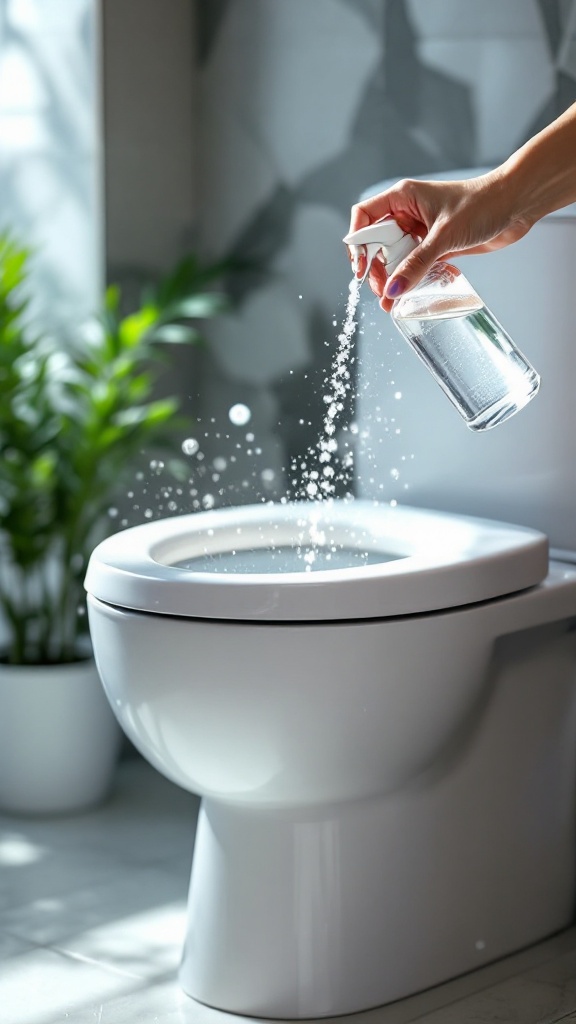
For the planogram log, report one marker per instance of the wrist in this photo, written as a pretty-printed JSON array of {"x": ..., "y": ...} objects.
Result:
[
  {"x": 530, "y": 195},
  {"x": 540, "y": 175}
]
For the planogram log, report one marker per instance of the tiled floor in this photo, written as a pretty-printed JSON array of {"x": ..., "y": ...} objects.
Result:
[{"x": 92, "y": 916}]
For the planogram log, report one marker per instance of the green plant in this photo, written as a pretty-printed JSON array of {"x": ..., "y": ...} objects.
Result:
[{"x": 72, "y": 421}]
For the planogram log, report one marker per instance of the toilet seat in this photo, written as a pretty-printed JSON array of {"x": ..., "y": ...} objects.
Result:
[{"x": 430, "y": 561}]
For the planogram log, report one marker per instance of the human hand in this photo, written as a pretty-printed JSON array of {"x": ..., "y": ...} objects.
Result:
[{"x": 451, "y": 219}]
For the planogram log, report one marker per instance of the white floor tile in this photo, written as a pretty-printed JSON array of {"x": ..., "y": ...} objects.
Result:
[
  {"x": 88, "y": 915},
  {"x": 52, "y": 872},
  {"x": 164, "y": 1003},
  {"x": 44, "y": 987},
  {"x": 146, "y": 820},
  {"x": 147, "y": 945}
]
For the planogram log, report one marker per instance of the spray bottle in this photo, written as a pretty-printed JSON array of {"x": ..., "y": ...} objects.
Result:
[{"x": 467, "y": 351}]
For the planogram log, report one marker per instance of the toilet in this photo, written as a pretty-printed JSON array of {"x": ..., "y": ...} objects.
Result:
[{"x": 376, "y": 701}]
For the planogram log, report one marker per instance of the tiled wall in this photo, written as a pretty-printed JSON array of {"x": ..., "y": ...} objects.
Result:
[
  {"x": 148, "y": 72},
  {"x": 50, "y": 149},
  {"x": 302, "y": 106}
]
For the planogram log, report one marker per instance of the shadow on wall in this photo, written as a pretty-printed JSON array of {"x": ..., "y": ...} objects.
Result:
[
  {"x": 300, "y": 107},
  {"x": 344, "y": 123}
]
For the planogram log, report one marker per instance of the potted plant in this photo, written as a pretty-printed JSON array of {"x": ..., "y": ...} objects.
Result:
[{"x": 72, "y": 421}]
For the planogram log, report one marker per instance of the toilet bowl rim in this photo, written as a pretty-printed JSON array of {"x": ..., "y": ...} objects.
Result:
[{"x": 441, "y": 560}]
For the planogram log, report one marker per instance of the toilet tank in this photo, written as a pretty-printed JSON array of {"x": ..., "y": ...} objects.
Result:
[{"x": 411, "y": 444}]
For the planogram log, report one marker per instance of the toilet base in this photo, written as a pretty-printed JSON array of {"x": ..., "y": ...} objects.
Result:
[
  {"x": 324, "y": 911},
  {"x": 312, "y": 918}
]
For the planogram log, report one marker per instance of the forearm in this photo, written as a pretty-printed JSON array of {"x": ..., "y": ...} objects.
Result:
[
  {"x": 475, "y": 215},
  {"x": 541, "y": 175}
]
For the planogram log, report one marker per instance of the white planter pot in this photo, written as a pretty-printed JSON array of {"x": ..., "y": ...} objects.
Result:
[{"x": 59, "y": 740}]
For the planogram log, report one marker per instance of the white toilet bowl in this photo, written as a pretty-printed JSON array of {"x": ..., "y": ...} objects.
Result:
[{"x": 386, "y": 750}]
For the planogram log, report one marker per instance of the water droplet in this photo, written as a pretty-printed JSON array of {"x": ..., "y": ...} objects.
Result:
[
  {"x": 190, "y": 446},
  {"x": 219, "y": 464},
  {"x": 239, "y": 414}
]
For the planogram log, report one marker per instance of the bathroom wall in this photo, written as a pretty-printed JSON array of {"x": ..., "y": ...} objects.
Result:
[
  {"x": 51, "y": 149},
  {"x": 96, "y": 140},
  {"x": 300, "y": 107},
  {"x": 148, "y": 84},
  {"x": 248, "y": 127}
]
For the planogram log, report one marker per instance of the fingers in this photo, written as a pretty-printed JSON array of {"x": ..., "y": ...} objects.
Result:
[
  {"x": 377, "y": 280},
  {"x": 358, "y": 261},
  {"x": 402, "y": 203},
  {"x": 359, "y": 218},
  {"x": 423, "y": 210},
  {"x": 407, "y": 275},
  {"x": 406, "y": 201},
  {"x": 452, "y": 218},
  {"x": 411, "y": 271}
]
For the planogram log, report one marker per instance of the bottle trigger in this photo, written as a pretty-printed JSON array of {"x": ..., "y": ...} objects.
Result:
[{"x": 369, "y": 251}]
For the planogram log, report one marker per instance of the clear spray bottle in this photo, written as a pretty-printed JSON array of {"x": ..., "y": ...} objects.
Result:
[{"x": 467, "y": 351}]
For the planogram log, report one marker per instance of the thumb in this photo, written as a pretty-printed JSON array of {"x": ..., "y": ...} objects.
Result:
[{"x": 411, "y": 270}]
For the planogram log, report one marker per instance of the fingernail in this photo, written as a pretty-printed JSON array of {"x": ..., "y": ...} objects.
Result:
[{"x": 395, "y": 287}]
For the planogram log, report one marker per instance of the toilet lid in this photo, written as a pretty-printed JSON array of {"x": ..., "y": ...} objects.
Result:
[{"x": 314, "y": 561}]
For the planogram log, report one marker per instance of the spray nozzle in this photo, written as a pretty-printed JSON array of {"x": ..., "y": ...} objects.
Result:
[{"x": 386, "y": 236}]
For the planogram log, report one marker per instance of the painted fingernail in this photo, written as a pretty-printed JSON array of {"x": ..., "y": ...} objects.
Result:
[{"x": 396, "y": 286}]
